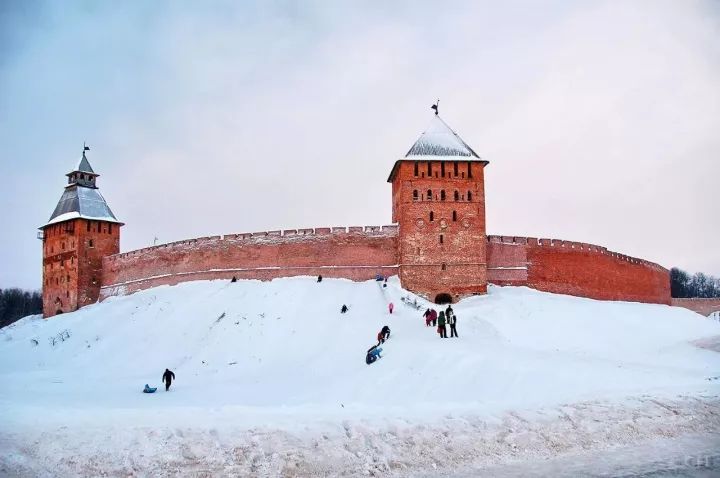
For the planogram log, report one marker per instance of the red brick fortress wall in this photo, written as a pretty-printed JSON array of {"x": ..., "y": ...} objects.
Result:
[
  {"x": 357, "y": 253},
  {"x": 574, "y": 268},
  {"x": 701, "y": 306}
]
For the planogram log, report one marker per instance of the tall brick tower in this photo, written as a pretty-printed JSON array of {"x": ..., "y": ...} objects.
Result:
[
  {"x": 438, "y": 194},
  {"x": 80, "y": 232}
]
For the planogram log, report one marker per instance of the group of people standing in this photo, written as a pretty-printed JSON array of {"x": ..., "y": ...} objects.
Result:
[{"x": 442, "y": 320}]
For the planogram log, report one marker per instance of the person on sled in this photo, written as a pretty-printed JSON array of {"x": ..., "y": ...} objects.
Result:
[{"x": 373, "y": 354}]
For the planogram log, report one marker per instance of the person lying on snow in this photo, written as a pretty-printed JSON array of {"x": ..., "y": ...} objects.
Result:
[{"x": 373, "y": 354}]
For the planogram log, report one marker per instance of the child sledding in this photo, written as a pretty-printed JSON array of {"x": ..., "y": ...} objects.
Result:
[{"x": 373, "y": 354}]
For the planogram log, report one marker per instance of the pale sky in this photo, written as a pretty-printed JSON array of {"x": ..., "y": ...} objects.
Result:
[{"x": 601, "y": 120}]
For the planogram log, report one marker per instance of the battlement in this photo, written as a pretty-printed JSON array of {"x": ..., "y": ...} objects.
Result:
[
  {"x": 579, "y": 246},
  {"x": 265, "y": 237}
]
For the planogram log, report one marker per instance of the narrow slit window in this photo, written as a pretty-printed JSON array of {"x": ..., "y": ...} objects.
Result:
[
  {"x": 432, "y": 216},
  {"x": 442, "y": 169},
  {"x": 88, "y": 226},
  {"x": 429, "y": 165},
  {"x": 109, "y": 228},
  {"x": 454, "y": 215},
  {"x": 455, "y": 168},
  {"x": 441, "y": 238},
  {"x": 415, "y": 195},
  {"x": 469, "y": 169},
  {"x": 417, "y": 168},
  {"x": 443, "y": 266},
  {"x": 457, "y": 196},
  {"x": 469, "y": 196},
  {"x": 90, "y": 243},
  {"x": 442, "y": 194},
  {"x": 429, "y": 194}
]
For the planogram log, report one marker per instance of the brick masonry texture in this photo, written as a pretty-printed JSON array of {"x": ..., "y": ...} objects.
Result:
[
  {"x": 72, "y": 263},
  {"x": 357, "y": 253},
  {"x": 701, "y": 306}
]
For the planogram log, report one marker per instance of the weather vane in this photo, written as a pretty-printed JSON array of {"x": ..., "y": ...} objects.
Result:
[{"x": 436, "y": 106}]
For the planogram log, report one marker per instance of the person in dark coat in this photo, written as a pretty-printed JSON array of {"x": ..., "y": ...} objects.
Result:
[
  {"x": 441, "y": 325},
  {"x": 452, "y": 320},
  {"x": 448, "y": 312},
  {"x": 383, "y": 335},
  {"x": 319, "y": 278},
  {"x": 343, "y": 309},
  {"x": 426, "y": 315},
  {"x": 168, "y": 377}
]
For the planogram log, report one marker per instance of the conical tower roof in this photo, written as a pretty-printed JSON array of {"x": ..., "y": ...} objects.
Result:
[
  {"x": 440, "y": 141},
  {"x": 81, "y": 198},
  {"x": 84, "y": 165}
]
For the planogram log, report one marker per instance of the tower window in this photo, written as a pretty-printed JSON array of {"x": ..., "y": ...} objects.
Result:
[
  {"x": 429, "y": 168},
  {"x": 88, "y": 226},
  {"x": 417, "y": 167},
  {"x": 454, "y": 215},
  {"x": 432, "y": 216},
  {"x": 415, "y": 195},
  {"x": 429, "y": 194},
  {"x": 67, "y": 278},
  {"x": 442, "y": 194},
  {"x": 63, "y": 246},
  {"x": 443, "y": 267},
  {"x": 462, "y": 175},
  {"x": 90, "y": 243},
  {"x": 469, "y": 196},
  {"x": 457, "y": 195},
  {"x": 441, "y": 238},
  {"x": 442, "y": 169},
  {"x": 455, "y": 168},
  {"x": 469, "y": 169},
  {"x": 67, "y": 294},
  {"x": 110, "y": 228}
]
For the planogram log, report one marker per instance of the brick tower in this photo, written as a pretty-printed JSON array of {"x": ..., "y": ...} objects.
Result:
[
  {"x": 80, "y": 232},
  {"x": 438, "y": 194}
]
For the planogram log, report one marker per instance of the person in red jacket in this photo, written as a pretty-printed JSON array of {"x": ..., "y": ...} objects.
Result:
[{"x": 391, "y": 306}]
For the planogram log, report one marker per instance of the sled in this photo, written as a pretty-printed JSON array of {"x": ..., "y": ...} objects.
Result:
[{"x": 149, "y": 389}]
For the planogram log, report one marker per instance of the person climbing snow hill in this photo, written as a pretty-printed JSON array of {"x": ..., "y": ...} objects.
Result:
[
  {"x": 433, "y": 317},
  {"x": 373, "y": 354},
  {"x": 168, "y": 377},
  {"x": 441, "y": 325},
  {"x": 383, "y": 335},
  {"x": 343, "y": 309},
  {"x": 391, "y": 306},
  {"x": 426, "y": 316}
]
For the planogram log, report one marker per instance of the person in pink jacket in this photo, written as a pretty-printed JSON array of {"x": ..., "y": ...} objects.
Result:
[{"x": 391, "y": 307}]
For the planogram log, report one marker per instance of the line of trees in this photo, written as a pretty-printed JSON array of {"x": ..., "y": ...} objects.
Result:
[
  {"x": 684, "y": 285},
  {"x": 17, "y": 303}
]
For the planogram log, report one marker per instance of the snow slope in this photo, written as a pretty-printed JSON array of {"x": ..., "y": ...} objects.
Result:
[{"x": 279, "y": 355}]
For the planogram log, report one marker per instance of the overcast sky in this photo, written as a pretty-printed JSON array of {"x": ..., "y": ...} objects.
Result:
[{"x": 601, "y": 120}]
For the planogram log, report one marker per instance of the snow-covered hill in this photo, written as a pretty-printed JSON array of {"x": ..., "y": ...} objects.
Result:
[{"x": 279, "y": 356}]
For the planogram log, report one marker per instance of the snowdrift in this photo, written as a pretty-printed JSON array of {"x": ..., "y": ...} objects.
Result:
[{"x": 279, "y": 355}]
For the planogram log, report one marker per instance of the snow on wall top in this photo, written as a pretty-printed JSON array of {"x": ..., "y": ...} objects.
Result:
[
  {"x": 81, "y": 202},
  {"x": 439, "y": 140}
]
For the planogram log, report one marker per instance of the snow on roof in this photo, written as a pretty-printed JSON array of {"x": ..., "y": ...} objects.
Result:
[
  {"x": 81, "y": 202},
  {"x": 440, "y": 140}
]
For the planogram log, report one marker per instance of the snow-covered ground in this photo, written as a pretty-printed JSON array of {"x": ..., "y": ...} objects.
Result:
[{"x": 271, "y": 381}]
